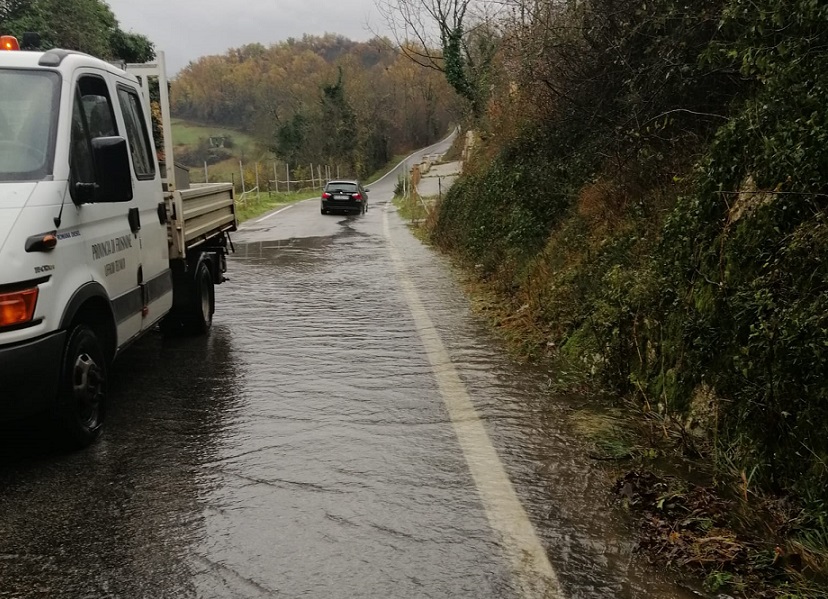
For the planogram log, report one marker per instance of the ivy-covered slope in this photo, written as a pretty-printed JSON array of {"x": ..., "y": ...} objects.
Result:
[{"x": 651, "y": 197}]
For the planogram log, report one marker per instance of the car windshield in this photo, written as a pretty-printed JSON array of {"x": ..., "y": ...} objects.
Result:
[
  {"x": 341, "y": 186},
  {"x": 28, "y": 117}
]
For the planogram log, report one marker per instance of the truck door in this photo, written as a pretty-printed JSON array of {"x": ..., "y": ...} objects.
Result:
[
  {"x": 156, "y": 277},
  {"x": 108, "y": 228}
]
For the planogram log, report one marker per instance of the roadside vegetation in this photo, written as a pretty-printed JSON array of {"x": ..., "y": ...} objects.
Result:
[
  {"x": 412, "y": 207},
  {"x": 645, "y": 213}
]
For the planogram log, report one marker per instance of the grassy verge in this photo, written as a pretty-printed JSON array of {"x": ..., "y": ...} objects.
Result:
[
  {"x": 455, "y": 151},
  {"x": 266, "y": 202},
  {"x": 419, "y": 212},
  {"x": 380, "y": 172},
  {"x": 411, "y": 209},
  {"x": 735, "y": 542},
  {"x": 714, "y": 526}
]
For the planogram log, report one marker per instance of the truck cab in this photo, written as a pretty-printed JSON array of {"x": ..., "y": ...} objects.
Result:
[{"x": 87, "y": 224}]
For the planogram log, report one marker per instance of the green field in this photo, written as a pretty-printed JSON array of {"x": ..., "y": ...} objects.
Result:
[
  {"x": 188, "y": 134},
  {"x": 188, "y": 137}
]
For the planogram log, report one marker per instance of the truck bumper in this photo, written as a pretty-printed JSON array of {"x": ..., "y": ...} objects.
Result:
[{"x": 29, "y": 376}]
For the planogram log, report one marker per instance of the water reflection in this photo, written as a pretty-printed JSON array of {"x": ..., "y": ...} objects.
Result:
[{"x": 119, "y": 518}]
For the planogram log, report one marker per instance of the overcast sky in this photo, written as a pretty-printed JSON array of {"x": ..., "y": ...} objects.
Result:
[{"x": 188, "y": 29}]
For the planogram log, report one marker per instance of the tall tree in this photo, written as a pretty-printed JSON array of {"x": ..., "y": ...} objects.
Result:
[
  {"x": 13, "y": 9},
  {"x": 85, "y": 25},
  {"x": 337, "y": 122},
  {"x": 131, "y": 47},
  {"x": 450, "y": 37}
]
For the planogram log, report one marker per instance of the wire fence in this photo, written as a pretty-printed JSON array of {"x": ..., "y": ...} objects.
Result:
[{"x": 254, "y": 178}]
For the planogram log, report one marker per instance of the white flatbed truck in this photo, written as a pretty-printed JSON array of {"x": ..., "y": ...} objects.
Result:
[{"x": 97, "y": 244}]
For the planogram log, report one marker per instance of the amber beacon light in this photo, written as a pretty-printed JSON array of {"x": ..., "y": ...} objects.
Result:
[{"x": 9, "y": 42}]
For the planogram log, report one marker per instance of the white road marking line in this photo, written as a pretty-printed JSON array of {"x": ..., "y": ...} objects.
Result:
[
  {"x": 535, "y": 576},
  {"x": 275, "y": 213}
]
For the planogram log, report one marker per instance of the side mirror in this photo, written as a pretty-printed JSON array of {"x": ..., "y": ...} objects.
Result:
[
  {"x": 367, "y": 190},
  {"x": 112, "y": 172}
]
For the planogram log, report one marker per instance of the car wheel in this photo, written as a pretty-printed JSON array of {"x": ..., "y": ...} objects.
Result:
[
  {"x": 83, "y": 388},
  {"x": 323, "y": 211}
]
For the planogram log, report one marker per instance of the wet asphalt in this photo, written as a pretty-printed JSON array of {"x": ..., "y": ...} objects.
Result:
[{"x": 304, "y": 448}]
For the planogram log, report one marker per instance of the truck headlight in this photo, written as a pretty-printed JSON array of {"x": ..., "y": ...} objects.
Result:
[{"x": 17, "y": 307}]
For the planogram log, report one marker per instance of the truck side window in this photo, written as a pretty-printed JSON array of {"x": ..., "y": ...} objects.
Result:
[
  {"x": 137, "y": 135},
  {"x": 80, "y": 157},
  {"x": 92, "y": 117},
  {"x": 98, "y": 107}
]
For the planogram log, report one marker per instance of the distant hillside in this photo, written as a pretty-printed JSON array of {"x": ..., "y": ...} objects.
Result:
[{"x": 325, "y": 100}]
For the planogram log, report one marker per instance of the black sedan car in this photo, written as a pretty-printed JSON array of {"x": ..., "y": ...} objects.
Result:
[{"x": 347, "y": 196}]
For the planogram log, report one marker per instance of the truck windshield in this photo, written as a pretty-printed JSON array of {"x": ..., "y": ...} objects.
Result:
[{"x": 28, "y": 117}]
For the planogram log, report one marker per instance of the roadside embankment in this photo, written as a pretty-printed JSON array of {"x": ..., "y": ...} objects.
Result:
[{"x": 659, "y": 238}]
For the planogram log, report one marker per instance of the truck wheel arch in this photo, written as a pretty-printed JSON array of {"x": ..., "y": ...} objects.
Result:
[
  {"x": 203, "y": 257},
  {"x": 90, "y": 304}
]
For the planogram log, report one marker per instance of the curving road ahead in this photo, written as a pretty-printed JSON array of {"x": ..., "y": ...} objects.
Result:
[{"x": 348, "y": 429}]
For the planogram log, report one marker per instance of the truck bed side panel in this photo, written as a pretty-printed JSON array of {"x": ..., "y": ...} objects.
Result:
[{"x": 202, "y": 212}]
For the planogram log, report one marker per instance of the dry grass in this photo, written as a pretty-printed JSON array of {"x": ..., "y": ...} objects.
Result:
[{"x": 602, "y": 202}]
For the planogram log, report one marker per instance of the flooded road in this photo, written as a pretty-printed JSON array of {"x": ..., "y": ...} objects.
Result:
[{"x": 347, "y": 429}]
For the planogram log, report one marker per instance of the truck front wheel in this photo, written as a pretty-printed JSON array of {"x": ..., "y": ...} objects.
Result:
[{"x": 83, "y": 387}]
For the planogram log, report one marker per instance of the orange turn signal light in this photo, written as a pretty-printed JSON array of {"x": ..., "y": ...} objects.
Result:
[
  {"x": 42, "y": 242},
  {"x": 17, "y": 307},
  {"x": 9, "y": 42}
]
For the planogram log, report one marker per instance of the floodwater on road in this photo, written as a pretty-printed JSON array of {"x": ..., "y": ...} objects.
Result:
[{"x": 310, "y": 447}]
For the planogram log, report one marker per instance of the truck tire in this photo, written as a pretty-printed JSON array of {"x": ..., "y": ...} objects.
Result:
[
  {"x": 194, "y": 316},
  {"x": 83, "y": 388},
  {"x": 203, "y": 302}
]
